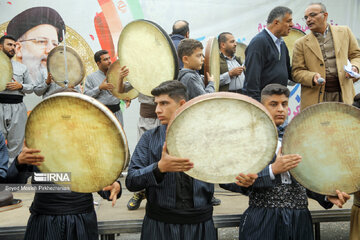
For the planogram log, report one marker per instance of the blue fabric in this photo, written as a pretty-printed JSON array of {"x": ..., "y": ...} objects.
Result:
[
  {"x": 4, "y": 158},
  {"x": 176, "y": 38},
  {"x": 264, "y": 65},
  {"x": 141, "y": 175}
]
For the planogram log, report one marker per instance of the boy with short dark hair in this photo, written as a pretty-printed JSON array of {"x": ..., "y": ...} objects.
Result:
[{"x": 190, "y": 52}]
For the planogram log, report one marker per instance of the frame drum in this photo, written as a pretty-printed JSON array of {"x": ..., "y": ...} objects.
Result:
[
  {"x": 290, "y": 40},
  {"x": 56, "y": 66},
  {"x": 112, "y": 76},
  {"x": 326, "y": 136},
  {"x": 147, "y": 50},
  {"x": 240, "y": 51},
  {"x": 78, "y": 134},
  {"x": 6, "y": 70},
  {"x": 223, "y": 134},
  {"x": 212, "y": 61}
]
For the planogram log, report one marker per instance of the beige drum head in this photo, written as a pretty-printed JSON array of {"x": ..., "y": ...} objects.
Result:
[
  {"x": 56, "y": 66},
  {"x": 147, "y": 50},
  {"x": 240, "y": 51},
  {"x": 289, "y": 40},
  {"x": 223, "y": 134},
  {"x": 5, "y": 70},
  {"x": 113, "y": 77},
  {"x": 212, "y": 61},
  {"x": 78, "y": 134},
  {"x": 326, "y": 135}
]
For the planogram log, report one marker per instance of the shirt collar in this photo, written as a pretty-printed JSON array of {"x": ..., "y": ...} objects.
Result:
[
  {"x": 273, "y": 37},
  {"x": 325, "y": 33}
]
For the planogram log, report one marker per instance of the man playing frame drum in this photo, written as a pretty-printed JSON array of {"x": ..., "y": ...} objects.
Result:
[
  {"x": 277, "y": 202},
  {"x": 178, "y": 206}
]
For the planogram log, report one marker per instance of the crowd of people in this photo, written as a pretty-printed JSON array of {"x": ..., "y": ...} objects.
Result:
[{"x": 179, "y": 206}]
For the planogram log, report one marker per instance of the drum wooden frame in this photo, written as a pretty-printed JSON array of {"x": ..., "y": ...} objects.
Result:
[
  {"x": 149, "y": 53},
  {"x": 80, "y": 135},
  {"x": 6, "y": 70},
  {"x": 212, "y": 62},
  {"x": 242, "y": 138},
  {"x": 326, "y": 136},
  {"x": 56, "y": 66}
]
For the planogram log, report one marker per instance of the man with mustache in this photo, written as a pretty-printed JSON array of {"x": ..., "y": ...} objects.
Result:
[
  {"x": 323, "y": 54},
  {"x": 230, "y": 65},
  {"x": 267, "y": 57},
  {"x": 13, "y": 113},
  {"x": 37, "y": 31}
]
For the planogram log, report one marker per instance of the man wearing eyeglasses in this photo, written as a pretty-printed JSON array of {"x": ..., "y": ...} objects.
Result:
[
  {"x": 37, "y": 31},
  {"x": 13, "y": 114},
  {"x": 323, "y": 54}
]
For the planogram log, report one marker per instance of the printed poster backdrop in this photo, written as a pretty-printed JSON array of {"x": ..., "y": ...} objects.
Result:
[{"x": 92, "y": 25}]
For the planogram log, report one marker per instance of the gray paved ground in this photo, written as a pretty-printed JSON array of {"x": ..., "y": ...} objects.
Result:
[{"x": 232, "y": 203}]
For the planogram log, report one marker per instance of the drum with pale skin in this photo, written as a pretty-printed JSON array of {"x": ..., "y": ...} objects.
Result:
[
  {"x": 289, "y": 40},
  {"x": 56, "y": 66},
  {"x": 147, "y": 50},
  {"x": 80, "y": 135},
  {"x": 212, "y": 62},
  {"x": 112, "y": 76},
  {"x": 240, "y": 51},
  {"x": 326, "y": 136},
  {"x": 5, "y": 70},
  {"x": 223, "y": 134}
]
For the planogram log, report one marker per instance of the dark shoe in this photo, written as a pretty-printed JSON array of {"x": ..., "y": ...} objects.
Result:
[
  {"x": 215, "y": 201},
  {"x": 135, "y": 201}
]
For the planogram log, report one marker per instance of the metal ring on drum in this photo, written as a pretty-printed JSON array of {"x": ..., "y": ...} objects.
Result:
[
  {"x": 80, "y": 135},
  {"x": 223, "y": 134}
]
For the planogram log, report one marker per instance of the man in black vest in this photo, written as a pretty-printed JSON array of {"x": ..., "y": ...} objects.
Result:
[{"x": 231, "y": 69}]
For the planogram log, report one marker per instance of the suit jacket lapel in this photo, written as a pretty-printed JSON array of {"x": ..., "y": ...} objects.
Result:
[
  {"x": 335, "y": 32},
  {"x": 314, "y": 46}
]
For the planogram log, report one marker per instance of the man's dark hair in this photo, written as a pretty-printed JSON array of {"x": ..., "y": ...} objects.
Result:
[
  {"x": 180, "y": 27},
  {"x": 173, "y": 88},
  {"x": 357, "y": 101},
  {"x": 2, "y": 39},
  {"x": 278, "y": 13},
  {"x": 98, "y": 54},
  {"x": 274, "y": 89},
  {"x": 222, "y": 37},
  {"x": 323, "y": 7},
  {"x": 187, "y": 47}
]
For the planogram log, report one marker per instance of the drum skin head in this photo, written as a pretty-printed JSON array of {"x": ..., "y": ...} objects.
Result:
[
  {"x": 289, "y": 40},
  {"x": 5, "y": 70},
  {"x": 240, "y": 51},
  {"x": 223, "y": 134},
  {"x": 212, "y": 61},
  {"x": 56, "y": 66},
  {"x": 112, "y": 76},
  {"x": 78, "y": 134},
  {"x": 146, "y": 49},
  {"x": 326, "y": 135}
]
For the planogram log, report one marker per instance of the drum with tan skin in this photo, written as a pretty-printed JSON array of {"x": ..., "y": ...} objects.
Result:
[
  {"x": 326, "y": 136},
  {"x": 240, "y": 51},
  {"x": 223, "y": 134},
  {"x": 78, "y": 134},
  {"x": 56, "y": 66},
  {"x": 290, "y": 39},
  {"x": 112, "y": 76},
  {"x": 212, "y": 62},
  {"x": 5, "y": 70},
  {"x": 147, "y": 50}
]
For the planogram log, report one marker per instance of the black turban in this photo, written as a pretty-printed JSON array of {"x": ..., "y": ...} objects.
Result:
[{"x": 33, "y": 17}]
